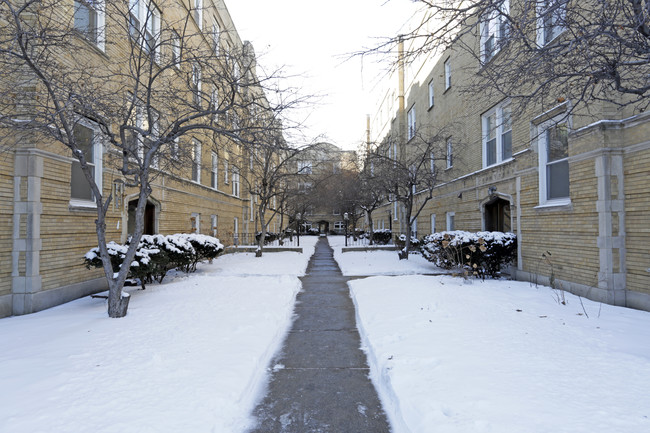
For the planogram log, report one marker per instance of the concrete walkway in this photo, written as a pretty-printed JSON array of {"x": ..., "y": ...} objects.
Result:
[{"x": 319, "y": 380}]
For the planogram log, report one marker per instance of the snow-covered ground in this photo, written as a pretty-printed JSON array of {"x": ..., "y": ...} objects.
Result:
[
  {"x": 190, "y": 356},
  {"x": 502, "y": 356},
  {"x": 378, "y": 262}
]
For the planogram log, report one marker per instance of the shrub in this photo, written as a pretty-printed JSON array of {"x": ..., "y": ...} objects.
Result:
[
  {"x": 270, "y": 237},
  {"x": 481, "y": 254},
  {"x": 156, "y": 254},
  {"x": 380, "y": 236},
  {"x": 401, "y": 242}
]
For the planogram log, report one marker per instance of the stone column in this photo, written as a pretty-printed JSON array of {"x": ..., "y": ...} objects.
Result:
[
  {"x": 26, "y": 278},
  {"x": 611, "y": 226}
]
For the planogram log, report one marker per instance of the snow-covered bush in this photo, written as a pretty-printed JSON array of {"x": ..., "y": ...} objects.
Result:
[
  {"x": 382, "y": 236},
  {"x": 270, "y": 237},
  {"x": 156, "y": 254},
  {"x": 481, "y": 254},
  {"x": 205, "y": 247},
  {"x": 401, "y": 242}
]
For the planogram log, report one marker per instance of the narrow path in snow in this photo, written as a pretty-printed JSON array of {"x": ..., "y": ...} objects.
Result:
[{"x": 319, "y": 380}]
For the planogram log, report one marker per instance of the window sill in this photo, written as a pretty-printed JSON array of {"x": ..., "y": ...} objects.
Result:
[
  {"x": 82, "y": 205},
  {"x": 557, "y": 205}
]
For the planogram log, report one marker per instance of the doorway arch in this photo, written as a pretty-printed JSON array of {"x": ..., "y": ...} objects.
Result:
[
  {"x": 497, "y": 213},
  {"x": 151, "y": 215}
]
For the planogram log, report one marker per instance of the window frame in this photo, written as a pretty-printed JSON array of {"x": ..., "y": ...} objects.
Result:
[
  {"x": 411, "y": 126},
  {"x": 450, "y": 219},
  {"x": 449, "y": 155},
  {"x": 235, "y": 182},
  {"x": 494, "y": 27},
  {"x": 97, "y": 162},
  {"x": 447, "y": 66},
  {"x": 148, "y": 14},
  {"x": 542, "y": 143},
  {"x": 557, "y": 11},
  {"x": 431, "y": 88},
  {"x": 198, "y": 13},
  {"x": 214, "y": 172},
  {"x": 197, "y": 148},
  {"x": 497, "y": 112},
  {"x": 99, "y": 34}
]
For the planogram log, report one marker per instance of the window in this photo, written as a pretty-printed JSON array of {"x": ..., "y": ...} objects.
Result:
[
  {"x": 433, "y": 223},
  {"x": 196, "y": 160},
  {"x": 176, "y": 49},
  {"x": 144, "y": 22},
  {"x": 451, "y": 221},
  {"x": 214, "y": 171},
  {"x": 235, "y": 181},
  {"x": 414, "y": 228},
  {"x": 447, "y": 74},
  {"x": 174, "y": 149},
  {"x": 195, "y": 222},
  {"x": 431, "y": 96},
  {"x": 89, "y": 144},
  {"x": 554, "y": 164},
  {"x": 198, "y": 13},
  {"x": 550, "y": 20},
  {"x": 410, "y": 119},
  {"x": 225, "y": 172},
  {"x": 494, "y": 30},
  {"x": 432, "y": 163},
  {"x": 497, "y": 135},
  {"x": 216, "y": 34},
  {"x": 213, "y": 224},
  {"x": 214, "y": 103},
  {"x": 89, "y": 20},
  {"x": 450, "y": 153},
  {"x": 196, "y": 83},
  {"x": 339, "y": 225},
  {"x": 304, "y": 167},
  {"x": 236, "y": 231}
]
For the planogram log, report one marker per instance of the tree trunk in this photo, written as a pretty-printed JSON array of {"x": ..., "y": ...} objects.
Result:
[
  {"x": 260, "y": 241},
  {"x": 371, "y": 228}
]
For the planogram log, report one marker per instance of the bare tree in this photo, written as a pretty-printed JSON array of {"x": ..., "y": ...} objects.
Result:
[
  {"x": 159, "y": 83},
  {"x": 543, "y": 51},
  {"x": 407, "y": 175}
]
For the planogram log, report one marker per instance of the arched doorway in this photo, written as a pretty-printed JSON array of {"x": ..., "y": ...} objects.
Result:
[
  {"x": 150, "y": 220},
  {"x": 496, "y": 215}
]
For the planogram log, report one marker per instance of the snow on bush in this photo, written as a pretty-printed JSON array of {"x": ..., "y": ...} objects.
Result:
[
  {"x": 401, "y": 242},
  {"x": 156, "y": 254},
  {"x": 481, "y": 254},
  {"x": 379, "y": 236}
]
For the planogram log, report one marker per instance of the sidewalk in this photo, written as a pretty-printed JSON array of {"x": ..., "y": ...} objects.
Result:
[{"x": 319, "y": 381}]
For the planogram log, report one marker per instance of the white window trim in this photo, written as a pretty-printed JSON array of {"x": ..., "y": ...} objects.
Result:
[
  {"x": 98, "y": 157},
  {"x": 197, "y": 222},
  {"x": 433, "y": 223},
  {"x": 214, "y": 222},
  {"x": 198, "y": 147},
  {"x": 143, "y": 19},
  {"x": 235, "y": 182},
  {"x": 492, "y": 26},
  {"x": 431, "y": 94},
  {"x": 198, "y": 13},
  {"x": 447, "y": 74},
  {"x": 541, "y": 131},
  {"x": 176, "y": 49},
  {"x": 215, "y": 171},
  {"x": 410, "y": 121},
  {"x": 196, "y": 81},
  {"x": 497, "y": 111},
  {"x": 450, "y": 153},
  {"x": 225, "y": 172},
  {"x": 542, "y": 40},
  {"x": 449, "y": 217},
  {"x": 100, "y": 10},
  {"x": 216, "y": 35}
]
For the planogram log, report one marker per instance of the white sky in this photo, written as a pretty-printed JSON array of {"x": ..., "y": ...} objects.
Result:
[{"x": 309, "y": 38}]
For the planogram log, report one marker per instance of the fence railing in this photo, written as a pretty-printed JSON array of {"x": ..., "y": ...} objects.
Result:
[
  {"x": 364, "y": 242},
  {"x": 250, "y": 239}
]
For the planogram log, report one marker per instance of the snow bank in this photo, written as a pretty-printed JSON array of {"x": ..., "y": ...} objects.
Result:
[{"x": 502, "y": 356}]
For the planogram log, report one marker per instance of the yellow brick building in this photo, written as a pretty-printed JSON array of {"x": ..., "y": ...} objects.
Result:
[
  {"x": 572, "y": 184},
  {"x": 46, "y": 226}
]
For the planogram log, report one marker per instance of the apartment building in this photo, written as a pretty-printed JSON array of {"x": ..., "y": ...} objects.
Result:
[
  {"x": 571, "y": 183},
  {"x": 47, "y": 210}
]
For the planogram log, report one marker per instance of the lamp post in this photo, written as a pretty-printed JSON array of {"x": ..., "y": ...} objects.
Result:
[
  {"x": 298, "y": 217},
  {"x": 346, "y": 217}
]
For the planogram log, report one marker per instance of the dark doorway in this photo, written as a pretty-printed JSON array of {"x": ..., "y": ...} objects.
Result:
[
  {"x": 497, "y": 215},
  {"x": 323, "y": 227},
  {"x": 149, "y": 218}
]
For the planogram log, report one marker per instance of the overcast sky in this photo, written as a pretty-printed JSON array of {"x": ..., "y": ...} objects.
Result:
[{"x": 309, "y": 38}]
